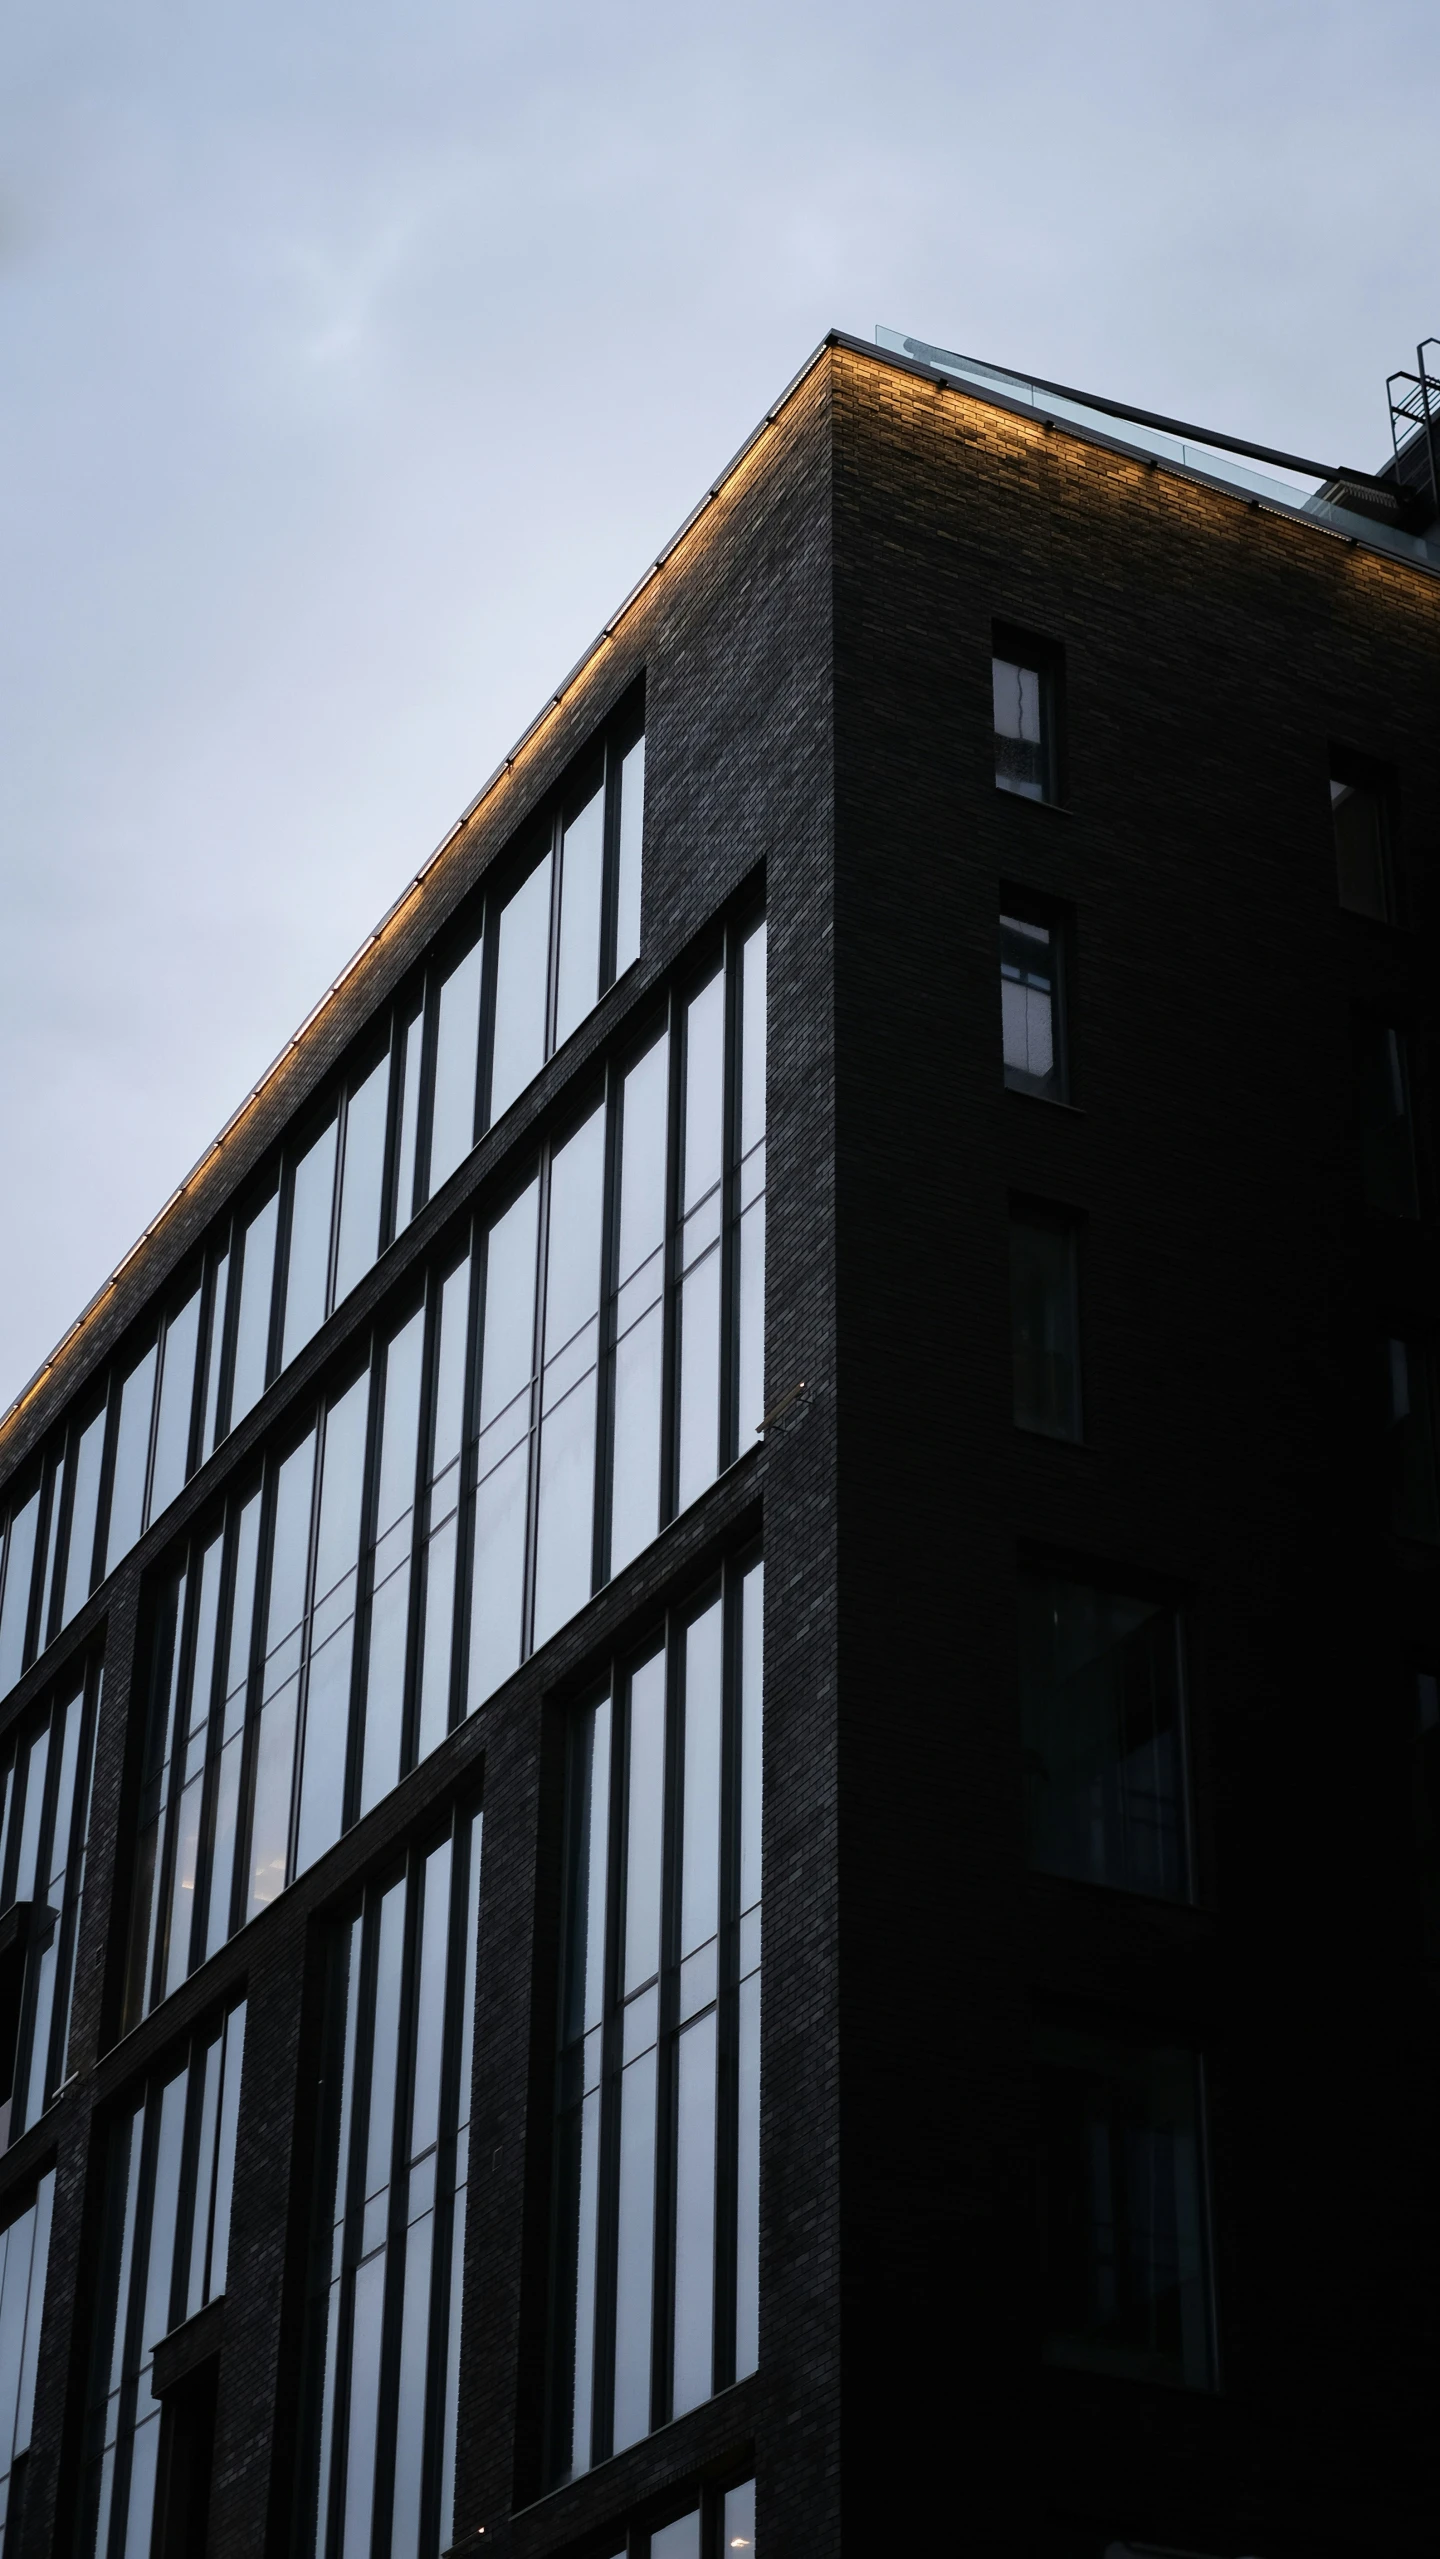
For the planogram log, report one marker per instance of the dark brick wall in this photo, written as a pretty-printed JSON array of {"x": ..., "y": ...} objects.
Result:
[
  {"x": 1211, "y": 653},
  {"x": 815, "y": 657}
]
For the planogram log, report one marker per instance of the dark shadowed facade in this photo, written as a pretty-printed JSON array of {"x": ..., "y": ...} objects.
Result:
[{"x": 837, "y": 1318}]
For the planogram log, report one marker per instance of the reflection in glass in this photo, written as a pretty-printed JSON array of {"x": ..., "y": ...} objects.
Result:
[
  {"x": 1122, "y": 2209},
  {"x": 80, "y": 1551},
  {"x": 312, "y": 1201},
  {"x": 627, "y": 898},
  {"x": 132, "y": 1457},
  {"x": 1029, "y": 1007},
  {"x": 362, "y": 1190},
  {"x": 171, "y": 1462},
  {"x": 520, "y": 981},
  {"x": 582, "y": 878},
  {"x": 19, "y": 1562},
  {"x": 1022, "y": 757},
  {"x": 252, "y": 1326},
  {"x": 45, "y": 1772},
  {"x": 457, "y": 1050},
  {"x": 24, "y": 2263},
  {"x": 1104, "y": 1747}
]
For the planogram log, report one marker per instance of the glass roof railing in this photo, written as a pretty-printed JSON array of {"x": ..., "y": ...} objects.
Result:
[{"x": 1302, "y": 491}]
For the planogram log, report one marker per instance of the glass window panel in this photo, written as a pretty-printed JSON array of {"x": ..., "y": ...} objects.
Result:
[
  {"x": 80, "y": 1559},
  {"x": 414, "y": 2373},
  {"x": 751, "y": 1348},
  {"x": 753, "y": 1040},
  {"x": 1029, "y": 993},
  {"x": 367, "y": 2312},
  {"x": 19, "y": 1575},
  {"x": 222, "y": 1858},
  {"x": 1045, "y": 1317},
  {"x": 270, "y": 1812},
  {"x": 342, "y": 1484},
  {"x": 214, "y": 1360},
  {"x": 132, "y": 1457},
  {"x": 572, "y": 1277},
  {"x": 327, "y": 1733},
  {"x": 704, "y": 1090},
  {"x": 1387, "y": 1134},
  {"x": 362, "y": 1188},
  {"x": 205, "y": 2072},
  {"x": 409, "y": 1122},
  {"x": 499, "y": 1579},
  {"x": 1414, "y": 1493},
  {"x": 51, "y": 1556},
  {"x": 435, "y": 1663},
  {"x": 565, "y": 1529},
  {"x": 678, "y": 2540},
  {"x": 225, "y": 2145},
  {"x": 694, "y": 2216},
  {"x": 399, "y": 1443},
  {"x": 635, "y": 1456},
  {"x": 1104, "y": 1748},
  {"x": 1021, "y": 744},
  {"x": 521, "y": 976},
  {"x": 738, "y": 2523},
  {"x": 450, "y": 1368},
  {"x": 699, "y": 1379},
  {"x": 177, "y": 1404},
  {"x": 385, "y": 1687},
  {"x": 290, "y": 1550},
  {"x": 582, "y": 880},
  {"x": 700, "y": 1834},
  {"x": 242, "y": 1609},
  {"x": 747, "y": 2184},
  {"x": 385, "y": 2054},
  {"x": 627, "y": 892},
  {"x": 457, "y": 1050},
  {"x": 645, "y": 1111},
  {"x": 252, "y": 1326},
  {"x": 307, "y": 1278},
  {"x": 182, "y": 1885},
  {"x": 1123, "y": 2273},
  {"x": 644, "y": 1823},
  {"x": 635, "y": 2251},
  {"x": 752, "y": 1651},
  {"x": 164, "y": 2208},
  {"x": 1362, "y": 865},
  {"x": 510, "y": 1259},
  {"x": 431, "y": 1967},
  {"x": 37, "y": 1759}
]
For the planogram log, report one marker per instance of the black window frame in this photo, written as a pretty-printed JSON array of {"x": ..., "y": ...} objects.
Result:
[{"x": 1012, "y": 644}]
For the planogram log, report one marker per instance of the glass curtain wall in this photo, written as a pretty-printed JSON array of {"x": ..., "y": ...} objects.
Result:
[
  {"x": 656, "y": 2244},
  {"x": 580, "y": 1366},
  {"x": 45, "y": 1770},
  {"x": 24, "y": 2255},
  {"x": 529, "y": 966},
  {"x": 718, "y": 2521},
  {"x": 166, "y": 2238},
  {"x": 389, "y": 2224}
]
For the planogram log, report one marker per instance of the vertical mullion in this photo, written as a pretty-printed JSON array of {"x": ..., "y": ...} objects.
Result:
[
  {"x": 364, "y": 1592},
  {"x": 605, "y": 1349},
  {"x": 214, "y": 1726},
  {"x": 462, "y": 1849},
  {"x": 465, "y": 1499},
  {"x": 673, "y": 1248},
  {"x": 420, "y": 1546},
  {"x": 662, "y": 2316},
  {"x": 728, "y": 1434},
  {"x": 69, "y": 1919},
  {"x": 184, "y": 1671},
  {"x": 602, "y": 2422},
  {"x": 332, "y": 1256},
  {"x": 250, "y": 1730},
  {"x": 728, "y": 2011},
  {"x": 307, "y": 1611}
]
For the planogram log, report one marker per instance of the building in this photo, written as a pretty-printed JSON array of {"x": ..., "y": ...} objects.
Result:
[{"x": 1017, "y": 1361}]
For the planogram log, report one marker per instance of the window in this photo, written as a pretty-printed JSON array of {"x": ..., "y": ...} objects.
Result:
[
  {"x": 1387, "y": 1130},
  {"x": 1045, "y": 1321},
  {"x": 44, "y": 1824},
  {"x": 1026, "y": 676},
  {"x": 1408, "y": 1390},
  {"x": 580, "y": 1366},
  {"x": 163, "y": 2259},
  {"x": 1102, "y": 1714},
  {"x": 388, "y": 2240},
  {"x": 1124, "y": 2275},
  {"x": 719, "y": 2521},
  {"x": 1032, "y": 1005},
  {"x": 423, "y": 1090},
  {"x": 657, "y": 2188},
  {"x": 1360, "y": 816},
  {"x": 24, "y": 2259}
]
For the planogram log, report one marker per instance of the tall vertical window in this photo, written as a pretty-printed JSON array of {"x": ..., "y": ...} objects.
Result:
[
  {"x": 1045, "y": 1320},
  {"x": 504, "y": 989},
  {"x": 579, "y": 1367},
  {"x": 1387, "y": 1128},
  {"x": 388, "y": 2243},
  {"x": 657, "y": 2188},
  {"x": 45, "y": 1771},
  {"x": 716, "y": 2523},
  {"x": 1360, "y": 817},
  {"x": 1026, "y": 681},
  {"x": 24, "y": 2258},
  {"x": 1102, "y": 1710},
  {"x": 1032, "y": 1006},
  {"x": 163, "y": 2259},
  {"x": 1407, "y": 1370},
  {"x": 1124, "y": 2271}
]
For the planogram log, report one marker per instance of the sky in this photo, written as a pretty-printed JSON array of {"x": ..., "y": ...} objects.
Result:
[{"x": 357, "y": 359}]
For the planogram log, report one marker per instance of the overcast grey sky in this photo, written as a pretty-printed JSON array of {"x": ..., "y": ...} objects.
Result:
[{"x": 358, "y": 358}]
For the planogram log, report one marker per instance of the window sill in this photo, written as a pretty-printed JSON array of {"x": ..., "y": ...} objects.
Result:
[
  {"x": 1047, "y": 1101},
  {"x": 1057, "y": 808}
]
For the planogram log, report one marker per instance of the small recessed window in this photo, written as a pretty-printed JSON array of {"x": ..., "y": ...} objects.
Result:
[
  {"x": 1124, "y": 2275},
  {"x": 1387, "y": 1129},
  {"x": 1045, "y": 1321},
  {"x": 1360, "y": 816},
  {"x": 1103, "y": 1727},
  {"x": 1025, "y": 676},
  {"x": 1409, "y": 1401},
  {"x": 1032, "y": 1006}
]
